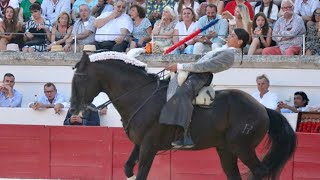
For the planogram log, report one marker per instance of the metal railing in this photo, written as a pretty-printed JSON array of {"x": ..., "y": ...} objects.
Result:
[{"x": 154, "y": 37}]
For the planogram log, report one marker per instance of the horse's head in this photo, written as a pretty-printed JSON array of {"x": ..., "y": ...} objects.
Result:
[{"x": 85, "y": 85}]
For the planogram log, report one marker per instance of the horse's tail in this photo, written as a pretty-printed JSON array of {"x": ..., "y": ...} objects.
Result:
[{"x": 283, "y": 144}]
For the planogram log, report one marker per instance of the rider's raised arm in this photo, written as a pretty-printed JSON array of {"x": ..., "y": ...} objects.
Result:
[{"x": 214, "y": 63}]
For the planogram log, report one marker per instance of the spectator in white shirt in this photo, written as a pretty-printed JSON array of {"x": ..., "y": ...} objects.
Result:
[
  {"x": 264, "y": 96},
  {"x": 113, "y": 29},
  {"x": 269, "y": 9}
]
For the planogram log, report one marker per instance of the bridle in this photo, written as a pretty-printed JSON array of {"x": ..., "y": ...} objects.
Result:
[{"x": 160, "y": 75}]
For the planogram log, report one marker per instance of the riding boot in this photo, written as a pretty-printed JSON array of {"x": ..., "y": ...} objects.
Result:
[{"x": 183, "y": 142}]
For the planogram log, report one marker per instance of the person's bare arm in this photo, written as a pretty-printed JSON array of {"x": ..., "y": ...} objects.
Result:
[{"x": 98, "y": 23}]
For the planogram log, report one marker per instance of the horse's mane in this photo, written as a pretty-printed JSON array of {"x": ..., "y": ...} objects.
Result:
[{"x": 112, "y": 55}]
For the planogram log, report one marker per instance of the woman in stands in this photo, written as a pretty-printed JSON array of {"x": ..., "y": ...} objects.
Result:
[
  {"x": 8, "y": 27},
  {"x": 163, "y": 30},
  {"x": 269, "y": 9},
  {"x": 241, "y": 18},
  {"x": 313, "y": 34},
  {"x": 181, "y": 4},
  {"x": 37, "y": 31},
  {"x": 261, "y": 34},
  {"x": 141, "y": 27},
  {"x": 62, "y": 30},
  {"x": 183, "y": 28}
]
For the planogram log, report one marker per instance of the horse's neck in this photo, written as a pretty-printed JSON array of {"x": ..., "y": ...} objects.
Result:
[{"x": 128, "y": 91}]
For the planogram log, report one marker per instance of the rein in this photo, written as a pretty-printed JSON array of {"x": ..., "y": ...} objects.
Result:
[{"x": 160, "y": 74}]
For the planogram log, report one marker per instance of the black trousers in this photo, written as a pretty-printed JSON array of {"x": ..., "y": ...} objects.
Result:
[
  {"x": 178, "y": 110},
  {"x": 112, "y": 46}
]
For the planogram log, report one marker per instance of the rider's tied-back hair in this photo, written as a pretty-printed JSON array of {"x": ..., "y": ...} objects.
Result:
[{"x": 244, "y": 36}]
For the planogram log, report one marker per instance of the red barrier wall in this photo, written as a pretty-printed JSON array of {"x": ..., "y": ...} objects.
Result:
[{"x": 63, "y": 152}]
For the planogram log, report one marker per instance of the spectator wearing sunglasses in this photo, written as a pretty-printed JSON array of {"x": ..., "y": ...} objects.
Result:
[{"x": 113, "y": 29}]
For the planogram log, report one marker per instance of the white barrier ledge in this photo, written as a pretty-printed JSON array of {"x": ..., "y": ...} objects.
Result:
[{"x": 27, "y": 116}]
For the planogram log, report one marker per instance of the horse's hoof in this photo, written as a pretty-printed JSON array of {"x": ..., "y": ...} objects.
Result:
[{"x": 132, "y": 178}]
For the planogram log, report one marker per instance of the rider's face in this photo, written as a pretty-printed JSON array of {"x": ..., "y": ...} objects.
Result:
[{"x": 234, "y": 41}]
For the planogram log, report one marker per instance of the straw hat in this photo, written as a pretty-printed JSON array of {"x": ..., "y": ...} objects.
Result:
[
  {"x": 56, "y": 48},
  {"x": 89, "y": 48},
  {"x": 12, "y": 47}
]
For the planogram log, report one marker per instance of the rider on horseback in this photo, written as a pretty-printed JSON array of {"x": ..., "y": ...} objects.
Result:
[{"x": 179, "y": 108}]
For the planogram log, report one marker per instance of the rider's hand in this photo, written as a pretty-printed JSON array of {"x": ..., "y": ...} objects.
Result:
[{"x": 172, "y": 67}]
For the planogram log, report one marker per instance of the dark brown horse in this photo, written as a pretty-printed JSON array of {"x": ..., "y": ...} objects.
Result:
[{"x": 235, "y": 124}]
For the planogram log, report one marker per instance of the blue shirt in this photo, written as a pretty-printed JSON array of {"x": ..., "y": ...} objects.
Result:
[
  {"x": 59, "y": 98},
  {"x": 14, "y": 101},
  {"x": 220, "y": 28}
]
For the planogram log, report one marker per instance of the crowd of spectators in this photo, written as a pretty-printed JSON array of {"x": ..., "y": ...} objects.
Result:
[{"x": 275, "y": 28}]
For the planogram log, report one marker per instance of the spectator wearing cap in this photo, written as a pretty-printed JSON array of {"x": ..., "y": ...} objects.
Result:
[{"x": 300, "y": 102}]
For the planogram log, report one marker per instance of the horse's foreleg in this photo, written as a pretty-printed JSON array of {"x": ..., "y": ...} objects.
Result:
[
  {"x": 146, "y": 157},
  {"x": 131, "y": 162},
  {"x": 229, "y": 163}
]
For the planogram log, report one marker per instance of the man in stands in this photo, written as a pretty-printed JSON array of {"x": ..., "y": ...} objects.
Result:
[
  {"x": 305, "y": 8},
  {"x": 51, "y": 9},
  {"x": 87, "y": 118},
  {"x": 287, "y": 32},
  {"x": 209, "y": 39},
  {"x": 51, "y": 99},
  {"x": 83, "y": 29},
  {"x": 300, "y": 104},
  {"x": 264, "y": 96},
  {"x": 113, "y": 28},
  {"x": 9, "y": 97}
]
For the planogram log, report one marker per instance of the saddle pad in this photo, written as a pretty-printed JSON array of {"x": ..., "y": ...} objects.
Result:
[{"x": 205, "y": 97}]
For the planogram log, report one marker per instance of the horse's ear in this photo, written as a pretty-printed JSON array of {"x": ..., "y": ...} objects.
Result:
[
  {"x": 83, "y": 62},
  {"x": 85, "y": 57}
]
